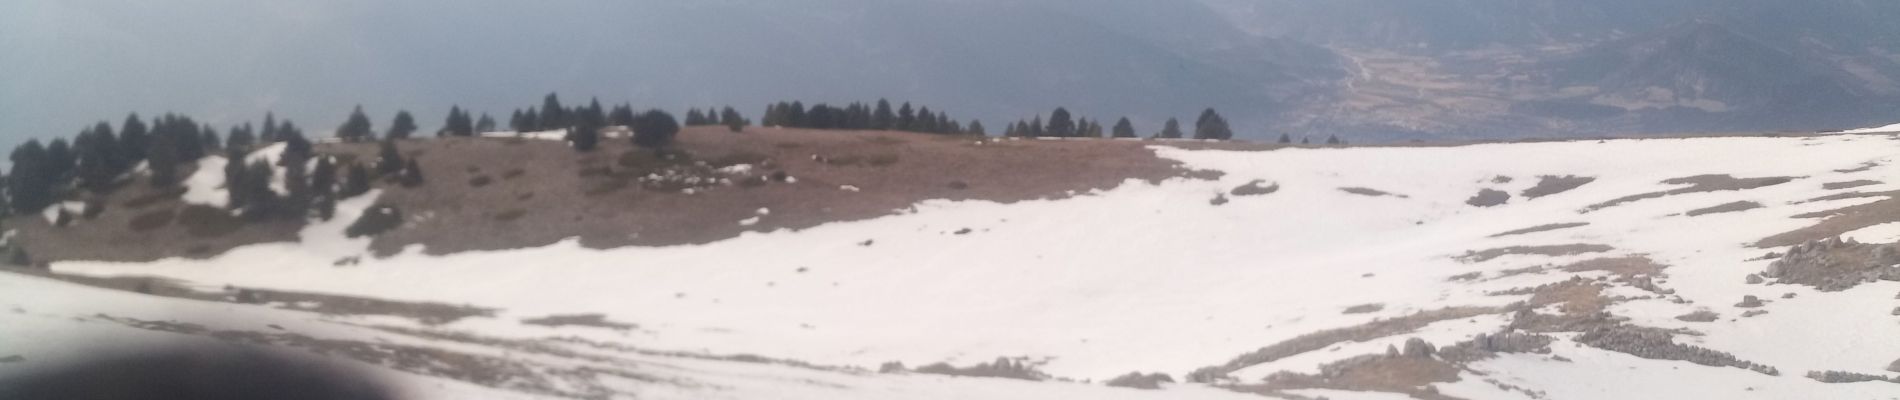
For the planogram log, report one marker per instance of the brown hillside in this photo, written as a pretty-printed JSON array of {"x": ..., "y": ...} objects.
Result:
[{"x": 500, "y": 193}]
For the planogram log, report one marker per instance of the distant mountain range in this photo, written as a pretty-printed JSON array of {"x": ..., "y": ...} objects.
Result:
[{"x": 1371, "y": 70}]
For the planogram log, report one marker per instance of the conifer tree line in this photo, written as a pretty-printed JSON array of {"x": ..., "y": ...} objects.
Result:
[
  {"x": 99, "y": 155},
  {"x": 859, "y": 116},
  {"x": 1062, "y": 124}
]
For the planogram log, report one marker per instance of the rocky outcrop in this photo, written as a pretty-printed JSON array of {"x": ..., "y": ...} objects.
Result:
[
  {"x": 1833, "y": 264},
  {"x": 1659, "y": 344},
  {"x": 1848, "y": 377},
  {"x": 1138, "y": 380},
  {"x": 1749, "y": 301}
]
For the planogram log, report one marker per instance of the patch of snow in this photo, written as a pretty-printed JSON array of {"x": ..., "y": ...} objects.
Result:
[
  {"x": 737, "y": 169},
  {"x": 1878, "y": 129},
  {"x": 749, "y": 221},
  {"x": 1883, "y": 233},
  {"x": 848, "y": 188},
  {"x": 206, "y": 185}
]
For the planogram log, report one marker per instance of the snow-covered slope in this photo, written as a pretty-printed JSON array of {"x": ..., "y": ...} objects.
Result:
[{"x": 1169, "y": 277}]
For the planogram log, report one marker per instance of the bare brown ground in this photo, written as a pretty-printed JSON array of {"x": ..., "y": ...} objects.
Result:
[
  {"x": 1549, "y": 185},
  {"x": 588, "y": 320},
  {"x": 1626, "y": 267},
  {"x": 1323, "y": 339},
  {"x": 1550, "y": 250},
  {"x": 427, "y": 313},
  {"x": 1848, "y": 184},
  {"x": 504, "y": 193},
  {"x": 1371, "y": 192},
  {"x": 1697, "y": 184},
  {"x": 597, "y": 196},
  {"x": 1837, "y": 222},
  {"x": 1374, "y": 373},
  {"x": 1725, "y": 208},
  {"x": 182, "y": 231},
  {"x": 1542, "y": 228}
]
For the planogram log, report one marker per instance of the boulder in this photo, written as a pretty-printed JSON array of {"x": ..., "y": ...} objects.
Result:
[{"x": 1749, "y": 301}]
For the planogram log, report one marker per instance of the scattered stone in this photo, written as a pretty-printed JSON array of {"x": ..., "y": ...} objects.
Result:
[
  {"x": 865, "y": 243},
  {"x": 1753, "y": 313},
  {"x": 1488, "y": 198},
  {"x": 1365, "y": 308},
  {"x": 1896, "y": 311},
  {"x": 1894, "y": 367},
  {"x": 1419, "y": 348},
  {"x": 1789, "y": 295},
  {"x": 964, "y": 231},
  {"x": 892, "y": 367},
  {"x": 1003, "y": 367},
  {"x": 1512, "y": 342},
  {"x": 802, "y": 269},
  {"x": 1219, "y": 199},
  {"x": 1255, "y": 188},
  {"x": 1833, "y": 264},
  {"x": 1749, "y": 301},
  {"x": 1847, "y": 377},
  {"x": 1139, "y": 380},
  {"x": 1658, "y": 344},
  {"x": 1393, "y": 351},
  {"x": 1699, "y": 316},
  {"x": 1754, "y": 279}
]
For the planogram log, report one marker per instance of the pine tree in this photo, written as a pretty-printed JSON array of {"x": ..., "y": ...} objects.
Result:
[
  {"x": 134, "y": 141},
  {"x": 323, "y": 178},
  {"x": 389, "y": 159},
  {"x": 402, "y": 127},
  {"x": 60, "y": 161},
  {"x": 484, "y": 124},
  {"x": 234, "y": 176},
  {"x": 655, "y": 129},
  {"x": 161, "y": 156},
  {"x": 733, "y": 121},
  {"x": 530, "y": 120},
  {"x": 1170, "y": 130},
  {"x": 584, "y": 136},
  {"x": 1060, "y": 124},
  {"x": 1334, "y": 140},
  {"x": 795, "y": 115},
  {"x": 411, "y": 174},
  {"x": 906, "y": 118},
  {"x": 269, "y": 134},
  {"x": 357, "y": 128},
  {"x": 208, "y": 137},
  {"x": 1124, "y": 129},
  {"x": 553, "y": 116},
  {"x": 976, "y": 128},
  {"x": 693, "y": 118},
  {"x": 358, "y": 182},
  {"x": 296, "y": 148},
  {"x": 297, "y": 194},
  {"x": 1284, "y": 139},
  {"x": 515, "y": 122},
  {"x": 1035, "y": 127},
  {"x": 1212, "y": 126},
  {"x": 29, "y": 186},
  {"x": 621, "y": 116},
  {"x": 96, "y": 149},
  {"x": 259, "y": 200},
  {"x": 1306, "y": 140},
  {"x": 457, "y": 124},
  {"x": 883, "y": 118},
  {"x": 240, "y": 138}
]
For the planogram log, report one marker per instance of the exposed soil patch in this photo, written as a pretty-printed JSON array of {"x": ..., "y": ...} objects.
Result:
[
  {"x": 1848, "y": 184},
  {"x": 1834, "y": 264},
  {"x": 1699, "y": 316},
  {"x": 1255, "y": 188},
  {"x": 1411, "y": 375},
  {"x": 588, "y": 320},
  {"x": 1371, "y": 192},
  {"x": 1003, "y": 367},
  {"x": 1859, "y": 168},
  {"x": 1323, "y": 339},
  {"x": 1725, "y": 208},
  {"x": 1139, "y": 380},
  {"x": 1550, "y": 185},
  {"x": 1837, "y": 222},
  {"x": 1550, "y": 250},
  {"x": 138, "y": 223},
  {"x": 1488, "y": 198},
  {"x": 1542, "y": 228},
  {"x": 1365, "y": 308},
  {"x": 692, "y": 193},
  {"x": 1696, "y": 184},
  {"x": 1658, "y": 344},
  {"x": 1625, "y": 267},
  {"x": 427, "y": 313}
]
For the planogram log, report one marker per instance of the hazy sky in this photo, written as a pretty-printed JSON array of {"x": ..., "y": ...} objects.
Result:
[{"x": 69, "y": 63}]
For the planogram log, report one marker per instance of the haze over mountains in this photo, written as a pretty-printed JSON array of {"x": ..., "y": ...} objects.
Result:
[{"x": 1369, "y": 70}]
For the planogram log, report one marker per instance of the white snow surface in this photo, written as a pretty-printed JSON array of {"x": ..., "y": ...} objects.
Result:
[
  {"x": 1878, "y": 129},
  {"x": 206, "y": 185},
  {"x": 1153, "y": 278}
]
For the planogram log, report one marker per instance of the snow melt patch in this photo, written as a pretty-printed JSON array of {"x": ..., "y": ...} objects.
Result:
[
  {"x": 206, "y": 185},
  {"x": 1880, "y": 129},
  {"x": 1883, "y": 233}
]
